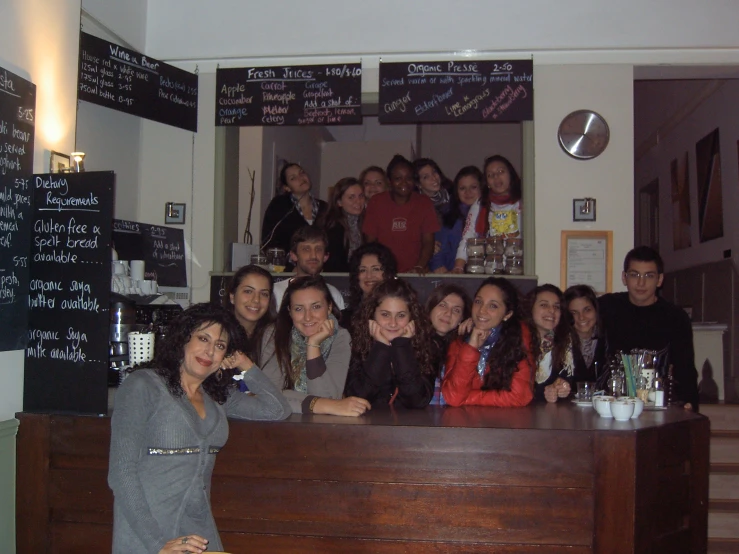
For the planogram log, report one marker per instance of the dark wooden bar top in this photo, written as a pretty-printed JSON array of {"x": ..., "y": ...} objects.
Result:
[{"x": 545, "y": 478}]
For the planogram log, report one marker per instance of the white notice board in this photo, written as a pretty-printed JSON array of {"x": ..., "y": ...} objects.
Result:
[{"x": 586, "y": 259}]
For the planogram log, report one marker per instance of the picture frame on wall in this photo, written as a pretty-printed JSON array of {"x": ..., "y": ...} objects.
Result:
[{"x": 59, "y": 163}]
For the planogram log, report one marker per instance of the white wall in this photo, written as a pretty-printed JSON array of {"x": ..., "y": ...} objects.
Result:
[
  {"x": 608, "y": 178},
  {"x": 719, "y": 110}
]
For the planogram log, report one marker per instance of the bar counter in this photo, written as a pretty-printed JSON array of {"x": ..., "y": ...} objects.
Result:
[{"x": 545, "y": 478}]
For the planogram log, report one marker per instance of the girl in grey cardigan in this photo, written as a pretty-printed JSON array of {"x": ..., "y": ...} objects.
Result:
[{"x": 168, "y": 424}]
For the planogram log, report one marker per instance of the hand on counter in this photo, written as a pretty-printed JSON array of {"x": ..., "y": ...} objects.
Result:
[
  {"x": 350, "y": 406},
  {"x": 188, "y": 543}
]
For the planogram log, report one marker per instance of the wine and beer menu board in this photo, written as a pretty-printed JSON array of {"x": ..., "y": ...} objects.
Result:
[
  {"x": 454, "y": 91},
  {"x": 128, "y": 81},
  {"x": 161, "y": 248},
  {"x": 329, "y": 94},
  {"x": 69, "y": 321},
  {"x": 17, "y": 126}
]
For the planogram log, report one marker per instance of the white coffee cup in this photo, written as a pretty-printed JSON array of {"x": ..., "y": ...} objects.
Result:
[
  {"x": 137, "y": 270},
  {"x": 638, "y": 407},
  {"x": 602, "y": 405},
  {"x": 622, "y": 409},
  {"x": 118, "y": 267}
]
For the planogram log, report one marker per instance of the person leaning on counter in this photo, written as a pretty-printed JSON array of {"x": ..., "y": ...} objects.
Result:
[{"x": 168, "y": 424}]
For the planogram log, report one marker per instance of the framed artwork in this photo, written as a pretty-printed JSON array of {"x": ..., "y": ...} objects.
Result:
[
  {"x": 58, "y": 162},
  {"x": 710, "y": 201},
  {"x": 680, "y": 203},
  {"x": 174, "y": 214},
  {"x": 586, "y": 258}
]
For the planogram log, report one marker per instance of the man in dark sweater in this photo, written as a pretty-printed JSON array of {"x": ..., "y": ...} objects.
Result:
[{"x": 641, "y": 319}]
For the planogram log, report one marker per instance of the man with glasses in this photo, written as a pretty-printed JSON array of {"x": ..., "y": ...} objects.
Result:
[{"x": 640, "y": 318}]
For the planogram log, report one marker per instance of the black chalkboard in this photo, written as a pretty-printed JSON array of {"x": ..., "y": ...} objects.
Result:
[
  {"x": 453, "y": 91},
  {"x": 69, "y": 322},
  {"x": 161, "y": 248},
  {"x": 127, "y": 81},
  {"x": 289, "y": 95},
  {"x": 17, "y": 120}
]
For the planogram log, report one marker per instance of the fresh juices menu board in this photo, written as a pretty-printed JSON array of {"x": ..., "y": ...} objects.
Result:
[
  {"x": 127, "y": 81},
  {"x": 17, "y": 126},
  {"x": 289, "y": 95},
  {"x": 454, "y": 91},
  {"x": 69, "y": 321}
]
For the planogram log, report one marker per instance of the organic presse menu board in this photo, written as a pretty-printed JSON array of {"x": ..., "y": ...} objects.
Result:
[
  {"x": 294, "y": 95},
  {"x": 17, "y": 120},
  {"x": 124, "y": 80},
  {"x": 452, "y": 91},
  {"x": 69, "y": 323}
]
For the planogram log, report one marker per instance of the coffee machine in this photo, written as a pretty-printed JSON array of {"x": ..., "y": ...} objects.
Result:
[{"x": 122, "y": 322}]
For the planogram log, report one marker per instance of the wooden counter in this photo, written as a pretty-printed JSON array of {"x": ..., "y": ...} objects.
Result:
[{"x": 546, "y": 478}]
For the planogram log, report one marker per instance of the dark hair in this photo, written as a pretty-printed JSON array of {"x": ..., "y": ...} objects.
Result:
[
  {"x": 440, "y": 293},
  {"x": 284, "y": 323},
  {"x": 586, "y": 292},
  {"x": 455, "y": 210},
  {"x": 563, "y": 333},
  {"x": 282, "y": 182},
  {"x": 420, "y": 163},
  {"x": 394, "y": 288},
  {"x": 398, "y": 161},
  {"x": 253, "y": 346},
  {"x": 384, "y": 256},
  {"x": 375, "y": 168},
  {"x": 509, "y": 349},
  {"x": 170, "y": 353},
  {"x": 515, "y": 178},
  {"x": 335, "y": 214},
  {"x": 644, "y": 254},
  {"x": 307, "y": 233}
]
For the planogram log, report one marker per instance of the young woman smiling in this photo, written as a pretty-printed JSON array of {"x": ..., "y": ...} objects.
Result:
[
  {"x": 391, "y": 363},
  {"x": 589, "y": 350},
  {"x": 491, "y": 364},
  {"x": 307, "y": 355},
  {"x": 431, "y": 182},
  {"x": 374, "y": 181},
  {"x": 343, "y": 224}
]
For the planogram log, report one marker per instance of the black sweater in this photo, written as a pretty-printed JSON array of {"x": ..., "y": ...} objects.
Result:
[
  {"x": 654, "y": 327},
  {"x": 281, "y": 220},
  {"x": 385, "y": 369}
]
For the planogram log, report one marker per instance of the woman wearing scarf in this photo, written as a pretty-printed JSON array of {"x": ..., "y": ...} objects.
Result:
[
  {"x": 499, "y": 213},
  {"x": 466, "y": 192},
  {"x": 343, "y": 224},
  {"x": 307, "y": 354},
  {"x": 291, "y": 210},
  {"x": 431, "y": 182},
  {"x": 589, "y": 350},
  {"x": 491, "y": 364},
  {"x": 555, "y": 369}
]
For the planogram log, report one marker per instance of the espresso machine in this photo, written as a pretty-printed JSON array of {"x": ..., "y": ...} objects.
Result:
[{"x": 122, "y": 322}]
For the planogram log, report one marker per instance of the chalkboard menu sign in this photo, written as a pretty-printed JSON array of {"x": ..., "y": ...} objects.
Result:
[
  {"x": 127, "y": 81},
  {"x": 161, "y": 248},
  {"x": 292, "y": 95},
  {"x": 453, "y": 91},
  {"x": 69, "y": 322},
  {"x": 17, "y": 120}
]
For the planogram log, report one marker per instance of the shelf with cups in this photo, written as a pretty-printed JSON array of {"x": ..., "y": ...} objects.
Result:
[{"x": 495, "y": 256}]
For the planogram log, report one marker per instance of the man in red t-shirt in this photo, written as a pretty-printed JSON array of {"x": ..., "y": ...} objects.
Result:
[{"x": 402, "y": 219}]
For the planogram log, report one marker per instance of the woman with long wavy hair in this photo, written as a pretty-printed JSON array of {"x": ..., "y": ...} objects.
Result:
[
  {"x": 306, "y": 353},
  {"x": 170, "y": 421},
  {"x": 343, "y": 224},
  {"x": 491, "y": 363},
  {"x": 391, "y": 361}
]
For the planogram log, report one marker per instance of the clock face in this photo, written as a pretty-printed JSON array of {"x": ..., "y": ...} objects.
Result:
[{"x": 583, "y": 134}]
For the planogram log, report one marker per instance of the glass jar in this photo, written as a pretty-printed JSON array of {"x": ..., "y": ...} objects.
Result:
[
  {"x": 475, "y": 248},
  {"x": 514, "y": 247},
  {"x": 494, "y": 265},
  {"x": 494, "y": 246},
  {"x": 259, "y": 259},
  {"x": 475, "y": 265},
  {"x": 514, "y": 265}
]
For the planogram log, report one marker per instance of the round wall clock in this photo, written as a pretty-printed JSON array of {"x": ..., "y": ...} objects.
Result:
[{"x": 583, "y": 134}]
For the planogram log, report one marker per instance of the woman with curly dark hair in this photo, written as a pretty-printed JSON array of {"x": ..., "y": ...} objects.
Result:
[
  {"x": 343, "y": 224},
  {"x": 249, "y": 299},
  {"x": 391, "y": 360},
  {"x": 491, "y": 365},
  {"x": 369, "y": 265},
  {"x": 169, "y": 422},
  {"x": 551, "y": 344},
  {"x": 447, "y": 306},
  {"x": 306, "y": 353},
  {"x": 589, "y": 350}
]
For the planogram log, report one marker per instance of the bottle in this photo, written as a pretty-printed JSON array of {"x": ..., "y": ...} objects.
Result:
[{"x": 658, "y": 387}]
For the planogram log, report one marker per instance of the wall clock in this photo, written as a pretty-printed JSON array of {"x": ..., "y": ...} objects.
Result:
[{"x": 583, "y": 134}]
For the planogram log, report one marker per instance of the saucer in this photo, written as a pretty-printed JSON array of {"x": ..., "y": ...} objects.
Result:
[{"x": 583, "y": 403}]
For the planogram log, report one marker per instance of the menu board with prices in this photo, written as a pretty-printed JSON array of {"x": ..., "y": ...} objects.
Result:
[
  {"x": 127, "y": 81},
  {"x": 454, "y": 91},
  {"x": 289, "y": 95},
  {"x": 69, "y": 322},
  {"x": 17, "y": 126}
]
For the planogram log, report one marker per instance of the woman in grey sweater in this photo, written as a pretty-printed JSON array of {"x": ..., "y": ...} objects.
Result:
[
  {"x": 306, "y": 354},
  {"x": 167, "y": 426}
]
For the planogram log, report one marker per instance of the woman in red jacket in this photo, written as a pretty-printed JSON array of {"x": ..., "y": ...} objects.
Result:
[{"x": 491, "y": 365}]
